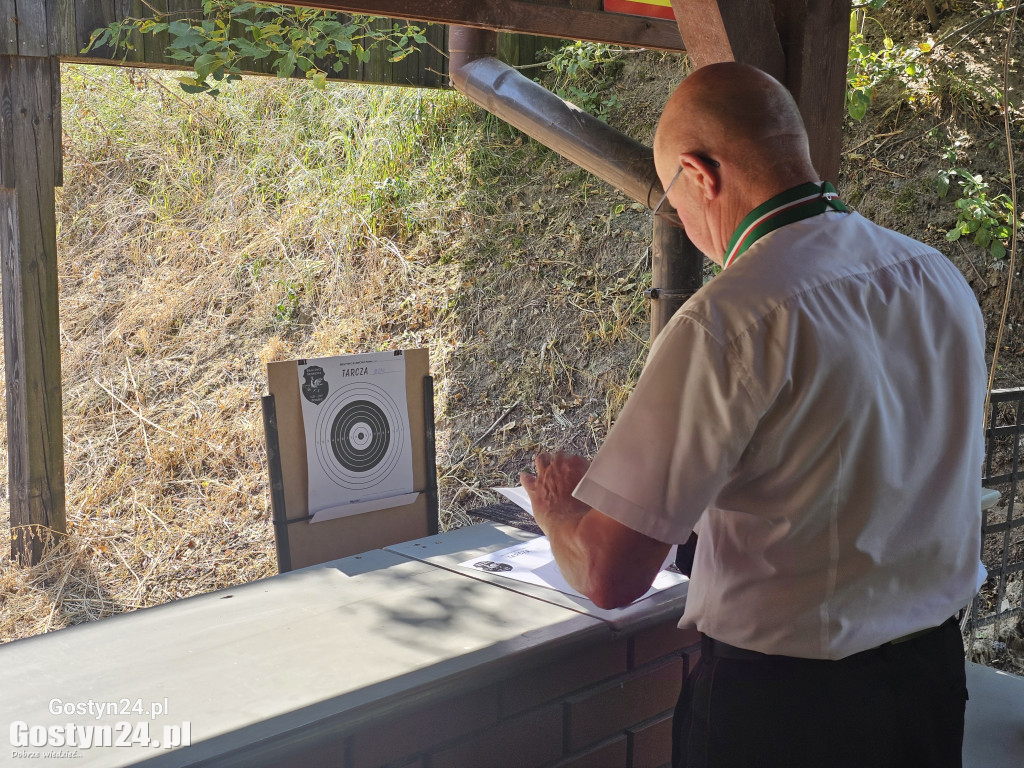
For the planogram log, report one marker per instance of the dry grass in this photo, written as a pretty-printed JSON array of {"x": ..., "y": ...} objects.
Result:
[{"x": 200, "y": 239}]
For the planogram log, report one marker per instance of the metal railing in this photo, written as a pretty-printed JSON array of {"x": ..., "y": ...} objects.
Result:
[{"x": 1000, "y": 602}]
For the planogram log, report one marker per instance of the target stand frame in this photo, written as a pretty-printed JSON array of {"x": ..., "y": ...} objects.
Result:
[{"x": 301, "y": 543}]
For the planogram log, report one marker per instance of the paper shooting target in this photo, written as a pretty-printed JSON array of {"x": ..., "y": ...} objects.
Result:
[{"x": 359, "y": 436}]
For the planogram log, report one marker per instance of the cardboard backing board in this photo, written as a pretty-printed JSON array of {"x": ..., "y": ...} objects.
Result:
[{"x": 311, "y": 543}]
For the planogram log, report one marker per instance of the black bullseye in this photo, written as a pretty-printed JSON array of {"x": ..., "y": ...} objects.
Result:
[{"x": 360, "y": 436}]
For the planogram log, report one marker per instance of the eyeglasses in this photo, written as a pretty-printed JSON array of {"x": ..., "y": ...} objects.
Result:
[{"x": 671, "y": 216}]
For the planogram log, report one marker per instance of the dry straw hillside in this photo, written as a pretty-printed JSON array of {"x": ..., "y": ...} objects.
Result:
[{"x": 201, "y": 238}]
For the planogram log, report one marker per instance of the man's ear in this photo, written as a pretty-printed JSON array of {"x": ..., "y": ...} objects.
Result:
[{"x": 702, "y": 173}]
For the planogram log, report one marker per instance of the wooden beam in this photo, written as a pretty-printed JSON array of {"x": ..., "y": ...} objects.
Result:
[
  {"x": 731, "y": 30},
  {"x": 802, "y": 43},
  {"x": 28, "y": 270},
  {"x": 815, "y": 35},
  {"x": 532, "y": 18}
]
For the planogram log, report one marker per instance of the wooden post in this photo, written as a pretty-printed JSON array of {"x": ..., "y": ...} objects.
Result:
[
  {"x": 816, "y": 38},
  {"x": 30, "y": 168},
  {"x": 803, "y": 43},
  {"x": 677, "y": 271},
  {"x": 731, "y": 30}
]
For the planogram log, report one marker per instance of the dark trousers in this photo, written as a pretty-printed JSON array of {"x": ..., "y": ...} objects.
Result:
[{"x": 900, "y": 706}]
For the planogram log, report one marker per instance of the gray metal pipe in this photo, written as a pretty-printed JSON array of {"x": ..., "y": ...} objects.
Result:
[
  {"x": 592, "y": 144},
  {"x": 676, "y": 269}
]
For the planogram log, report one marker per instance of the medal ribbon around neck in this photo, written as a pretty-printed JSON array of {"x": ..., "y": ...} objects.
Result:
[{"x": 800, "y": 202}]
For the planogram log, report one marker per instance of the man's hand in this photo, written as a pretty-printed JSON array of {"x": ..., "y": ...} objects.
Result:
[
  {"x": 601, "y": 558},
  {"x": 551, "y": 488}
]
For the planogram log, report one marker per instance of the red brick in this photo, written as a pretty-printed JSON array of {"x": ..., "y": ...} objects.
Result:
[
  {"x": 609, "y": 708},
  {"x": 650, "y": 744},
  {"x": 610, "y": 754},
  {"x": 660, "y": 641},
  {"x": 528, "y": 740},
  {"x": 419, "y": 730},
  {"x": 587, "y": 667}
]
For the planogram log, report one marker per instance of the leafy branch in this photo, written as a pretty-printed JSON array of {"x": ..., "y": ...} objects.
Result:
[
  {"x": 988, "y": 219},
  {"x": 291, "y": 39},
  {"x": 868, "y": 68},
  {"x": 582, "y": 71}
]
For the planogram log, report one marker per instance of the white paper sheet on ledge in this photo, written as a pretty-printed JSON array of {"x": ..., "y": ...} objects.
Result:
[
  {"x": 533, "y": 563},
  {"x": 517, "y": 495}
]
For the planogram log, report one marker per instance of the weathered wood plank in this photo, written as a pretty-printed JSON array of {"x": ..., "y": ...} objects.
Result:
[
  {"x": 28, "y": 260},
  {"x": 8, "y": 27},
  {"x": 7, "y": 168},
  {"x": 124, "y": 9},
  {"x": 57, "y": 117},
  {"x": 52, "y": 27},
  {"x": 731, "y": 30},
  {"x": 525, "y": 17},
  {"x": 67, "y": 30},
  {"x": 89, "y": 17},
  {"x": 435, "y": 63},
  {"x": 156, "y": 44},
  {"x": 816, "y": 38},
  {"x": 33, "y": 34}
]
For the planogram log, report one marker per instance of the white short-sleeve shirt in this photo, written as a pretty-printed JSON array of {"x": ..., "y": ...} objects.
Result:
[{"x": 815, "y": 413}]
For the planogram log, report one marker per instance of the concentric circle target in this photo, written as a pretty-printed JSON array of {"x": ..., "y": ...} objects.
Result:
[{"x": 359, "y": 435}]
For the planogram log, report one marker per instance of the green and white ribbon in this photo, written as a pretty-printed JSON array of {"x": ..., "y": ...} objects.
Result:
[{"x": 800, "y": 202}]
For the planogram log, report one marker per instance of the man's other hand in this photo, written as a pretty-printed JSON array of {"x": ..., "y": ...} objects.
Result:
[
  {"x": 600, "y": 557},
  {"x": 551, "y": 488}
]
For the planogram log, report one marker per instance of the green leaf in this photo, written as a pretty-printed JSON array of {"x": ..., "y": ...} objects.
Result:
[
  {"x": 185, "y": 36},
  {"x": 205, "y": 64},
  {"x": 285, "y": 66},
  {"x": 953, "y": 234},
  {"x": 858, "y": 106},
  {"x": 997, "y": 249}
]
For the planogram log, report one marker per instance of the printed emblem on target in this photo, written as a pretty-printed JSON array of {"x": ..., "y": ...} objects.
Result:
[
  {"x": 315, "y": 387},
  {"x": 359, "y": 435}
]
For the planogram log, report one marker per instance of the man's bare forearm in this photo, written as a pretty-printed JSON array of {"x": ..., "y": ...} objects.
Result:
[{"x": 611, "y": 564}]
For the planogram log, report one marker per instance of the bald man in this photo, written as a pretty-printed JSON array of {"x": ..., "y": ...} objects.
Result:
[{"x": 814, "y": 414}]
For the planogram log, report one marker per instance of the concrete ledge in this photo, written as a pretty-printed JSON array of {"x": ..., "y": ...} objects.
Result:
[
  {"x": 308, "y": 668},
  {"x": 390, "y": 658}
]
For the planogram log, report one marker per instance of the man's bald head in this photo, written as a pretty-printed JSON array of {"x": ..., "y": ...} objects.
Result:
[{"x": 740, "y": 117}]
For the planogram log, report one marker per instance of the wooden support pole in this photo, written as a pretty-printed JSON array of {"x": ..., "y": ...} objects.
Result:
[
  {"x": 677, "y": 272},
  {"x": 815, "y": 35},
  {"x": 802, "y": 43},
  {"x": 731, "y": 30},
  {"x": 29, "y": 171}
]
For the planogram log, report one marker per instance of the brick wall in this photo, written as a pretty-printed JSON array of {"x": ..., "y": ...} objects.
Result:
[{"x": 607, "y": 706}]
